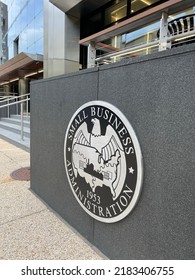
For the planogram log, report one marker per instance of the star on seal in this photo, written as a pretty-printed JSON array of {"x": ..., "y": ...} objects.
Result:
[{"x": 131, "y": 170}]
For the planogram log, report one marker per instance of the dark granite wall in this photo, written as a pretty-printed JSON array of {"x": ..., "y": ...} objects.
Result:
[{"x": 157, "y": 95}]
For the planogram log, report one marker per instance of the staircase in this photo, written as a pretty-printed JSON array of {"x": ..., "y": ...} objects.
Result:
[{"x": 10, "y": 130}]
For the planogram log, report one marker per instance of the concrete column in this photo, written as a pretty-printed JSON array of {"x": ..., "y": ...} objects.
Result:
[
  {"x": 23, "y": 89},
  {"x": 163, "y": 44},
  {"x": 6, "y": 88},
  {"x": 61, "y": 41},
  {"x": 91, "y": 55},
  {"x": 22, "y": 86}
]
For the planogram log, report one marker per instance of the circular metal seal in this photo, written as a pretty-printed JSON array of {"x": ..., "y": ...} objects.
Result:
[{"x": 103, "y": 161}]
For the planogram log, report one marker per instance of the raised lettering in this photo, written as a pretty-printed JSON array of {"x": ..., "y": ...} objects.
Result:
[
  {"x": 73, "y": 181},
  {"x": 122, "y": 132},
  {"x": 116, "y": 123},
  {"x": 70, "y": 172},
  {"x": 112, "y": 207},
  {"x": 123, "y": 201},
  {"x": 100, "y": 209},
  {"x": 84, "y": 116},
  {"x": 118, "y": 206},
  {"x": 80, "y": 195},
  {"x": 129, "y": 150},
  {"x": 127, "y": 191},
  {"x": 94, "y": 207},
  {"x": 98, "y": 112},
  {"x": 108, "y": 214},
  {"x": 106, "y": 114},
  {"x": 126, "y": 141},
  {"x": 92, "y": 111}
]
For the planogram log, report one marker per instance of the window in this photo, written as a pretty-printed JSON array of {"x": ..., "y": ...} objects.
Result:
[
  {"x": 16, "y": 46},
  {"x": 116, "y": 12},
  {"x": 112, "y": 13},
  {"x": 137, "y": 5}
]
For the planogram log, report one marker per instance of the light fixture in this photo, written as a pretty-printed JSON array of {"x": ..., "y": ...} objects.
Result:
[
  {"x": 118, "y": 10},
  {"x": 146, "y": 2},
  {"x": 14, "y": 80},
  {"x": 5, "y": 83},
  {"x": 31, "y": 74},
  {"x": 34, "y": 73}
]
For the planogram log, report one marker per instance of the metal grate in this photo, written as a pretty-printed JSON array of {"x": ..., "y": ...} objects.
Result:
[{"x": 22, "y": 174}]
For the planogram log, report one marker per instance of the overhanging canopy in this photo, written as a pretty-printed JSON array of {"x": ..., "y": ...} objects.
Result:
[
  {"x": 21, "y": 65},
  {"x": 78, "y": 8}
]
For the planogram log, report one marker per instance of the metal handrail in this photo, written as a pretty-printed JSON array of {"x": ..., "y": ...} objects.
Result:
[
  {"x": 8, "y": 100},
  {"x": 17, "y": 102},
  {"x": 6, "y": 96},
  {"x": 180, "y": 29},
  {"x": 21, "y": 102},
  {"x": 180, "y": 25},
  {"x": 151, "y": 44},
  {"x": 127, "y": 51},
  {"x": 14, "y": 97},
  {"x": 185, "y": 35}
]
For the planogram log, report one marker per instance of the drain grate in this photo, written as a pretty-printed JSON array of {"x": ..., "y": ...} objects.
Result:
[{"x": 22, "y": 174}]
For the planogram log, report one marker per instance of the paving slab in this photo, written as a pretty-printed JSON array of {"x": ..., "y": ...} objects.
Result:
[{"x": 29, "y": 229}]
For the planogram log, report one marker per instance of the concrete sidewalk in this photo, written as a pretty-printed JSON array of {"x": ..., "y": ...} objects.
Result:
[{"x": 28, "y": 228}]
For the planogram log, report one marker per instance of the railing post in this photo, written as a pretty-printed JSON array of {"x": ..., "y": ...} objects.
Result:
[
  {"x": 21, "y": 123},
  {"x": 17, "y": 105},
  {"x": 27, "y": 106},
  {"x": 91, "y": 56},
  {"x": 8, "y": 108},
  {"x": 163, "y": 44}
]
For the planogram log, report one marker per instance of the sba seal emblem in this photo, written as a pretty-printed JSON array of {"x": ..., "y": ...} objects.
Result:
[{"x": 103, "y": 161}]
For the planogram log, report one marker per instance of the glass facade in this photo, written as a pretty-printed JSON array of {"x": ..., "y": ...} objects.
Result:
[
  {"x": 147, "y": 34},
  {"x": 113, "y": 12},
  {"x": 121, "y": 9},
  {"x": 3, "y": 31},
  {"x": 25, "y": 26},
  {"x": 116, "y": 12},
  {"x": 137, "y": 42},
  {"x": 144, "y": 35},
  {"x": 140, "y": 37},
  {"x": 142, "y": 4}
]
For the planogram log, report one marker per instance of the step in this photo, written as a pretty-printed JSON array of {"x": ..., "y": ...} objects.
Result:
[
  {"x": 16, "y": 121},
  {"x": 16, "y": 128},
  {"x": 15, "y": 139},
  {"x": 18, "y": 117},
  {"x": 10, "y": 130}
]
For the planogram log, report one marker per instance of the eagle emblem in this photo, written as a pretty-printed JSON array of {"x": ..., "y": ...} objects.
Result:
[
  {"x": 103, "y": 161},
  {"x": 99, "y": 158}
]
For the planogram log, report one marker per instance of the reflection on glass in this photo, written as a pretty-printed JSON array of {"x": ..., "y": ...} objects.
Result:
[
  {"x": 38, "y": 7},
  {"x": 143, "y": 35},
  {"x": 181, "y": 14},
  {"x": 138, "y": 39},
  {"x": 25, "y": 19},
  {"x": 116, "y": 12},
  {"x": 31, "y": 10},
  {"x": 39, "y": 46},
  {"x": 23, "y": 40},
  {"x": 137, "y": 5},
  {"x": 31, "y": 33},
  {"x": 38, "y": 26}
]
